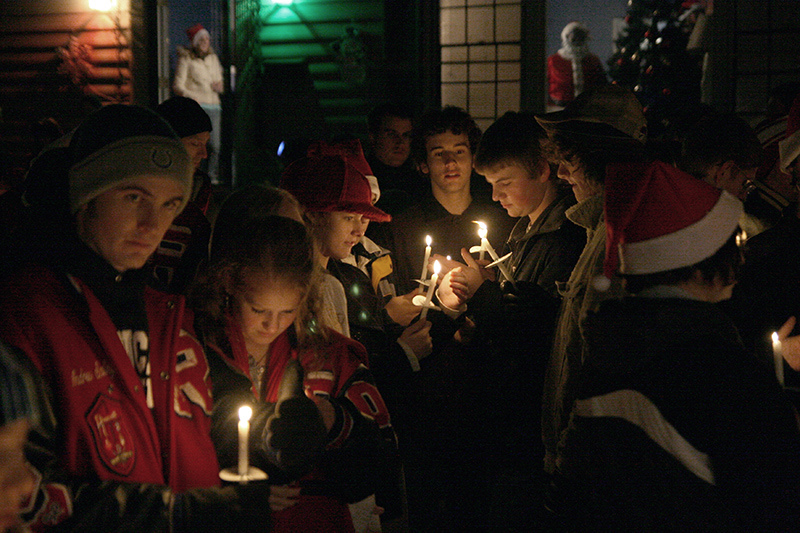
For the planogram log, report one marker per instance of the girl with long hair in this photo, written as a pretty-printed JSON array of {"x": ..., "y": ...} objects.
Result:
[{"x": 257, "y": 303}]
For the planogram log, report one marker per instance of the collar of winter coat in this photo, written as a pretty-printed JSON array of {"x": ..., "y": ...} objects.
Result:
[
  {"x": 551, "y": 219},
  {"x": 363, "y": 252},
  {"x": 666, "y": 291},
  {"x": 624, "y": 333},
  {"x": 122, "y": 294},
  {"x": 184, "y": 51},
  {"x": 588, "y": 213}
]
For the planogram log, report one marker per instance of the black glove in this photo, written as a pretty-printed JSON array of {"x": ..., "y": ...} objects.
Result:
[{"x": 295, "y": 435}]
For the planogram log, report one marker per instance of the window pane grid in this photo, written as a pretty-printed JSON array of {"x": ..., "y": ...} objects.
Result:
[{"x": 480, "y": 53}]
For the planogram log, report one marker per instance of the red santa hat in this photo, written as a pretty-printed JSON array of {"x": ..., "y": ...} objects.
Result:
[
  {"x": 659, "y": 218},
  {"x": 789, "y": 147},
  {"x": 195, "y": 32}
]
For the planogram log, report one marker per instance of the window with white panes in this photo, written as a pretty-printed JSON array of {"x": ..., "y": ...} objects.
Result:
[{"x": 481, "y": 52}]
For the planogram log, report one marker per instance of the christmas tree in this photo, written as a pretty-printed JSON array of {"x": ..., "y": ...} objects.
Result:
[{"x": 652, "y": 60}]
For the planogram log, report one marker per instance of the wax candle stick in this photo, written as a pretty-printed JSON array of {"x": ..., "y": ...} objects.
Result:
[
  {"x": 245, "y": 412},
  {"x": 777, "y": 355},
  {"x": 483, "y": 231},
  {"x": 500, "y": 265},
  {"x": 243, "y": 472},
  {"x": 429, "y": 296},
  {"x": 424, "y": 275},
  {"x": 486, "y": 246}
]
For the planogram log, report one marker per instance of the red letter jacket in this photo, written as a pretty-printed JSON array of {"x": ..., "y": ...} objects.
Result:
[{"x": 108, "y": 430}]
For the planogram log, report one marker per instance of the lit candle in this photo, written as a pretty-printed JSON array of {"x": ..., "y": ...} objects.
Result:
[
  {"x": 436, "y": 268},
  {"x": 245, "y": 412},
  {"x": 483, "y": 231},
  {"x": 486, "y": 245},
  {"x": 777, "y": 355},
  {"x": 424, "y": 275},
  {"x": 741, "y": 238}
]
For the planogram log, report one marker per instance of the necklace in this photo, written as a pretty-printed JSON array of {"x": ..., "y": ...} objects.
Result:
[{"x": 257, "y": 369}]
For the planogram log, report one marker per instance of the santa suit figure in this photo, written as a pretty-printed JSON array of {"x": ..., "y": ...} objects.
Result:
[{"x": 573, "y": 69}]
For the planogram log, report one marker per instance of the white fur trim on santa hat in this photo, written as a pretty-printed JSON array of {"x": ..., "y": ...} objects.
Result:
[
  {"x": 789, "y": 149},
  {"x": 374, "y": 187},
  {"x": 687, "y": 246},
  {"x": 199, "y": 34}
]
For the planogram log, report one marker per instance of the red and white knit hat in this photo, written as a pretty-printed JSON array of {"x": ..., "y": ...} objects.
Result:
[
  {"x": 332, "y": 178},
  {"x": 789, "y": 147},
  {"x": 351, "y": 150},
  {"x": 659, "y": 218}
]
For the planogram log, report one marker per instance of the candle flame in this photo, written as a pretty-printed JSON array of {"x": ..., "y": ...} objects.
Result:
[
  {"x": 245, "y": 412},
  {"x": 482, "y": 229},
  {"x": 775, "y": 337},
  {"x": 436, "y": 267},
  {"x": 428, "y": 240}
]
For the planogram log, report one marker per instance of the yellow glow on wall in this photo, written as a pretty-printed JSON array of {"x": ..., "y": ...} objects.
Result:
[{"x": 102, "y": 5}]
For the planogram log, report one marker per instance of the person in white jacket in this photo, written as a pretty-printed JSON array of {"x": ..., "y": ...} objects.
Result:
[{"x": 198, "y": 75}]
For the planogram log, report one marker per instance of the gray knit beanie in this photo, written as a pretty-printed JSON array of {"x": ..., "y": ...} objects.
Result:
[{"x": 120, "y": 142}]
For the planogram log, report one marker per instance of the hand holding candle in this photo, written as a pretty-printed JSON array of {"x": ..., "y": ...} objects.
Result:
[
  {"x": 435, "y": 278},
  {"x": 482, "y": 232}
]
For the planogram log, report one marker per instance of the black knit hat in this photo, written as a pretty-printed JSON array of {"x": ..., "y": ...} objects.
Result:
[
  {"x": 184, "y": 115},
  {"x": 120, "y": 142}
]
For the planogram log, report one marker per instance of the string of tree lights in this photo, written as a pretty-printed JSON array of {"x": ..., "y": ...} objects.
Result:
[{"x": 652, "y": 58}]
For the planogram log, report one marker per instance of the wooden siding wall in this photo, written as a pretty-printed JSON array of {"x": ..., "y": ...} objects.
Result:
[{"x": 52, "y": 55}]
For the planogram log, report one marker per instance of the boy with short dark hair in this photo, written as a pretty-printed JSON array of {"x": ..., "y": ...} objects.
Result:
[
  {"x": 436, "y": 461},
  {"x": 390, "y": 125},
  {"x": 517, "y": 316},
  {"x": 442, "y": 146},
  {"x": 185, "y": 244},
  {"x": 722, "y": 150}
]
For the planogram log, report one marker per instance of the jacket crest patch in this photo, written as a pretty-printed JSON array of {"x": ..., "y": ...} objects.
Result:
[{"x": 112, "y": 436}]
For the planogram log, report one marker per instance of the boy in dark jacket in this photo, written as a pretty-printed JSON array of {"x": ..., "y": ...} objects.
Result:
[
  {"x": 515, "y": 317},
  {"x": 676, "y": 426}
]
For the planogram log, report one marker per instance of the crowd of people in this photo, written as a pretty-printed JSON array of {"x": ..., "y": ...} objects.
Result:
[{"x": 586, "y": 348}]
